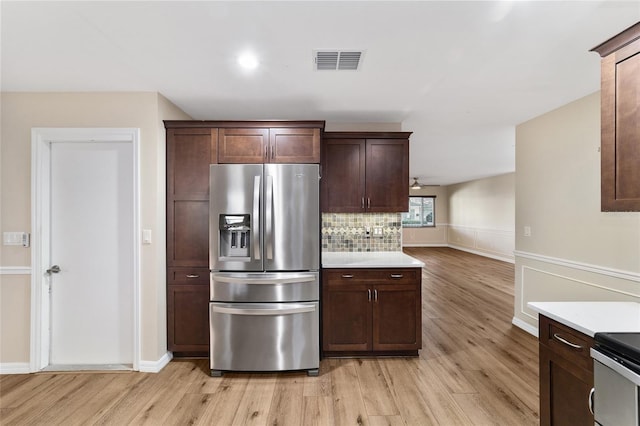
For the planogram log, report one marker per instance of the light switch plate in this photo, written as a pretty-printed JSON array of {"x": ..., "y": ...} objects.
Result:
[
  {"x": 15, "y": 239},
  {"x": 146, "y": 236}
]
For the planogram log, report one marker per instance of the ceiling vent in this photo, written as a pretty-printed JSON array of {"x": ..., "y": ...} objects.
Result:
[{"x": 338, "y": 60}]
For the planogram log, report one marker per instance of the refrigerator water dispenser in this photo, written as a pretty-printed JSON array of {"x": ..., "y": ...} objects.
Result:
[{"x": 234, "y": 235}]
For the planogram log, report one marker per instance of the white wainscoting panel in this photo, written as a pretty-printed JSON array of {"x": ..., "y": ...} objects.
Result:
[
  {"x": 544, "y": 278},
  {"x": 495, "y": 243}
]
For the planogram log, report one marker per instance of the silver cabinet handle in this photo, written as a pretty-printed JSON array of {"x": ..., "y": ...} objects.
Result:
[
  {"x": 368, "y": 202},
  {"x": 347, "y": 276},
  {"x": 566, "y": 342},
  {"x": 369, "y": 295},
  {"x": 591, "y": 393},
  {"x": 53, "y": 270},
  {"x": 396, "y": 275},
  {"x": 193, "y": 276},
  {"x": 362, "y": 204},
  {"x": 375, "y": 295},
  {"x": 266, "y": 152}
]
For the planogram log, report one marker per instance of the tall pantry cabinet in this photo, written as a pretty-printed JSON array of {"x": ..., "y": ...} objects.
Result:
[
  {"x": 189, "y": 153},
  {"x": 191, "y": 147}
]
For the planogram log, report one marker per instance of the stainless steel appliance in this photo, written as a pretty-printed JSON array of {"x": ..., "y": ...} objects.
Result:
[
  {"x": 264, "y": 260},
  {"x": 616, "y": 369}
]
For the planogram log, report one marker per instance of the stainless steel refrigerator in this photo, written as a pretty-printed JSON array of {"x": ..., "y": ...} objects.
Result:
[{"x": 264, "y": 260}]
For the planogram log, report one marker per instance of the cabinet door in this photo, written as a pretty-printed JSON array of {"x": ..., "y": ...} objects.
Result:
[
  {"x": 188, "y": 318},
  {"x": 564, "y": 391},
  {"x": 346, "y": 317},
  {"x": 243, "y": 145},
  {"x": 189, "y": 153},
  {"x": 397, "y": 322},
  {"x": 620, "y": 158},
  {"x": 294, "y": 145},
  {"x": 387, "y": 175},
  {"x": 343, "y": 176}
]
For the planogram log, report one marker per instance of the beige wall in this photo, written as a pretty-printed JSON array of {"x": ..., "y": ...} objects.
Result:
[
  {"x": 23, "y": 111},
  {"x": 476, "y": 216},
  {"x": 575, "y": 252},
  {"x": 433, "y": 236},
  {"x": 482, "y": 216}
]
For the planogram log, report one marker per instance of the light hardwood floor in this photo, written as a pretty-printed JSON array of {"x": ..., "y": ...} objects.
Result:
[{"x": 475, "y": 368}]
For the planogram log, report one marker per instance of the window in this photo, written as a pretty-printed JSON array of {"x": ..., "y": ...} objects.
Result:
[{"x": 422, "y": 212}]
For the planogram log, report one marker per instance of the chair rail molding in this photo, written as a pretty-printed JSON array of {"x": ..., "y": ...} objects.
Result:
[
  {"x": 598, "y": 269},
  {"x": 15, "y": 270}
]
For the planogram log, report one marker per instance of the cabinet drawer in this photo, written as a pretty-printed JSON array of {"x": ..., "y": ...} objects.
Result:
[
  {"x": 566, "y": 342},
  {"x": 188, "y": 276},
  {"x": 373, "y": 276}
]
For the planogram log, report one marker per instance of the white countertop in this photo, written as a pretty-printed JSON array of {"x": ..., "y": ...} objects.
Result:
[
  {"x": 376, "y": 259},
  {"x": 593, "y": 317}
]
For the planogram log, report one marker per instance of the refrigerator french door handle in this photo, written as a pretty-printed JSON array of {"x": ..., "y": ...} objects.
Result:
[
  {"x": 255, "y": 228},
  {"x": 268, "y": 209}
]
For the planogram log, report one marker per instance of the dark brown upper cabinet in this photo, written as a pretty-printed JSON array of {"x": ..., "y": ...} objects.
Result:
[
  {"x": 365, "y": 172},
  {"x": 620, "y": 116},
  {"x": 269, "y": 145}
]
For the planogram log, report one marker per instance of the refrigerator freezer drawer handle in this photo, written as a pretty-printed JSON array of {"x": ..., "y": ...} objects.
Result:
[
  {"x": 255, "y": 228},
  {"x": 245, "y": 280},
  {"x": 296, "y": 309}
]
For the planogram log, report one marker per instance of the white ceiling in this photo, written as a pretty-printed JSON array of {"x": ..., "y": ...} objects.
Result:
[{"x": 460, "y": 75}]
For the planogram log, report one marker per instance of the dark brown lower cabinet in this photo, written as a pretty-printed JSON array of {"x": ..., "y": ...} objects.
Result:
[
  {"x": 375, "y": 311},
  {"x": 566, "y": 375},
  {"x": 188, "y": 311}
]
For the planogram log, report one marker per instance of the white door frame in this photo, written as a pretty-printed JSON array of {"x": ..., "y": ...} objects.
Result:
[{"x": 41, "y": 140}]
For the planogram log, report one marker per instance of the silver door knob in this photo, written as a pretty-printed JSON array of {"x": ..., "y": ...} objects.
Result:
[{"x": 53, "y": 270}]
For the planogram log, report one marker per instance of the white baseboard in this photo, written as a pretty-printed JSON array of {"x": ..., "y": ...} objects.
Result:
[
  {"x": 525, "y": 326},
  {"x": 426, "y": 245},
  {"x": 155, "y": 366},
  {"x": 15, "y": 368},
  {"x": 483, "y": 253}
]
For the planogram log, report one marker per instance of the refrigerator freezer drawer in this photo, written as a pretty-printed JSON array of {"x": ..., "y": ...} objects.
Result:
[
  {"x": 265, "y": 287},
  {"x": 264, "y": 336}
]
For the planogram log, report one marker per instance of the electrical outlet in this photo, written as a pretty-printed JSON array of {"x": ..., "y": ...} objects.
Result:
[
  {"x": 377, "y": 231},
  {"x": 527, "y": 231}
]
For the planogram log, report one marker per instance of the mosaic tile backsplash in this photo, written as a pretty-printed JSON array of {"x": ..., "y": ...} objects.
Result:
[{"x": 347, "y": 232}]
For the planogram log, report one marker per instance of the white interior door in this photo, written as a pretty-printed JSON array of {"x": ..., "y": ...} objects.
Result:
[{"x": 91, "y": 240}]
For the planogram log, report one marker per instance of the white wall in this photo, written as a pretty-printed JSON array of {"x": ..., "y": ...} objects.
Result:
[
  {"x": 575, "y": 252},
  {"x": 20, "y": 113}
]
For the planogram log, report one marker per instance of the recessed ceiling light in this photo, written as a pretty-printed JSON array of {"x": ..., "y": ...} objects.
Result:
[{"x": 248, "y": 61}]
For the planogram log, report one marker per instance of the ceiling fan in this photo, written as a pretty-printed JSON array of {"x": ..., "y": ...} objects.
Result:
[{"x": 415, "y": 184}]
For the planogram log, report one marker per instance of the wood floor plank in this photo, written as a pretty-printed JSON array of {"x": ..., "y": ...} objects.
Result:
[
  {"x": 348, "y": 405},
  {"x": 376, "y": 393},
  {"x": 475, "y": 367},
  {"x": 317, "y": 411},
  {"x": 288, "y": 400},
  {"x": 320, "y": 385},
  {"x": 256, "y": 402},
  {"x": 386, "y": 421},
  {"x": 166, "y": 398},
  {"x": 414, "y": 410}
]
